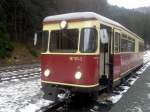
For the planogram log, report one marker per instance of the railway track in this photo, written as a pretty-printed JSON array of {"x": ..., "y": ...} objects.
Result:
[
  {"x": 101, "y": 105},
  {"x": 18, "y": 67},
  {"x": 84, "y": 105},
  {"x": 18, "y": 72},
  {"x": 54, "y": 107}
]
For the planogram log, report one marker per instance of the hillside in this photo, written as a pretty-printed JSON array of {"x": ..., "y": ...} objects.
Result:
[
  {"x": 145, "y": 10},
  {"x": 28, "y": 15},
  {"x": 21, "y": 54},
  {"x": 20, "y": 19}
]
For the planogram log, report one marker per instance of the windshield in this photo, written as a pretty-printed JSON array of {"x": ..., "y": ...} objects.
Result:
[
  {"x": 65, "y": 40},
  {"x": 88, "y": 40}
]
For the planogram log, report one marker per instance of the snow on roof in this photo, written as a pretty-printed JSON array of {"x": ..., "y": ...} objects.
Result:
[{"x": 80, "y": 15}]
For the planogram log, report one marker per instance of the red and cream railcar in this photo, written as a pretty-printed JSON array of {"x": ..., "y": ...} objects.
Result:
[{"x": 84, "y": 51}]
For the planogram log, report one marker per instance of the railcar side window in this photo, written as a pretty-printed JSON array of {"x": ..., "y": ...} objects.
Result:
[
  {"x": 131, "y": 46},
  {"x": 124, "y": 43},
  {"x": 45, "y": 36},
  {"x": 117, "y": 39},
  {"x": 65, "y": 41},
  {"x": 88, "y": 40},
  {"x": 42, "y": 40},
  {"x": 127, "y": 44},
  {"x": 141, "y": 47}
]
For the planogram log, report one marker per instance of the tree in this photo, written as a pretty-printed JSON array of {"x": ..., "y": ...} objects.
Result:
[{"x": 5, "y": 45}]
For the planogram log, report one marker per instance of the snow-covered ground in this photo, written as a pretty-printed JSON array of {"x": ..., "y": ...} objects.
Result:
[
  {"x": 146, "y": 56},
  {"x": 21, "y": 96},
  {"x": 24, "y": 95}
]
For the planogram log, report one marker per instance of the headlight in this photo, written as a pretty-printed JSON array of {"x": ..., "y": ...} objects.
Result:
[
  {"x": 63, "y": 24},
  {"x": 46, "y": 72},
  {"x": 78, "y": 75}
]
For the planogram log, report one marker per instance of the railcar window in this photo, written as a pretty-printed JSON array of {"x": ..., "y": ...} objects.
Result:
[
  {"x": 124, "y": 43},
  {"x": 141, "y": 47},
  {"x": 42, "y": 40},
  {"x": 117, "y": 39},
  {"x": 45, "y": 36},
  {"x": 131, "y": 46},
  {"x": 127, "y": 44},
  {"x": 88, "y": 40},
  {"x": 65, "y": 41}
]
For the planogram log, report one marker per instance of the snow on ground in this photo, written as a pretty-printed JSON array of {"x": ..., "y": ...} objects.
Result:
[
  {"x": 148, "y": 96},
  {"x": 135, "y": 109},
  {"x": 146, "y": 56},
  {"x": 21, "y": 96},
  {"x": 116, "y": 97},
  {"x": 25, "y": 95},
  {"x": 148, "y": 84}
]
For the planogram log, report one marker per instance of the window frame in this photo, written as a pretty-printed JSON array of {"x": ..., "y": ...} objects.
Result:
[
  {"x": 118, "y": 40},
  {"x": 128, "y": 39},
  {"x": 63, "y": 50},
  {"x": 97, "y": 38}
]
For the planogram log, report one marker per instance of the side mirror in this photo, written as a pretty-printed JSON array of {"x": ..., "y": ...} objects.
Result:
[
  {"x": 104, "y": 36},
  {"x": 35, "y": 39}
]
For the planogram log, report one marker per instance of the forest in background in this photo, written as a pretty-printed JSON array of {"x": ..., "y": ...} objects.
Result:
[{"x": 21, "y": 18}]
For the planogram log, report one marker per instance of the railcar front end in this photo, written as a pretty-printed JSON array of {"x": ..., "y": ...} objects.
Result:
[{"x": 71, "y": 57}]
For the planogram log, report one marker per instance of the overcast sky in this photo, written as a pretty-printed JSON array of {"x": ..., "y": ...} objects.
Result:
[{"x": 130, "y": 3}]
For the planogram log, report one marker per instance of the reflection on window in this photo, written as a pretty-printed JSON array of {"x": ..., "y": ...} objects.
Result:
[
  {"x": 123, "y": 45},
  {"x": 88, "y": 40},
  {"x": 64, "y": 41},
  {"x": 131, "y": 47},
  {"x": 127, "y": 44}
]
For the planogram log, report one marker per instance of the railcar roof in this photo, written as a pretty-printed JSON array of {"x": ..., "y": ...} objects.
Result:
[
  {"x": 79, "y": 15},
  {"x": 84, "y": 15}
]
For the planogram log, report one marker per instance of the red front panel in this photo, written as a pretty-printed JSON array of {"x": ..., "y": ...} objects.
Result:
[{"x": 64, "y": 67}]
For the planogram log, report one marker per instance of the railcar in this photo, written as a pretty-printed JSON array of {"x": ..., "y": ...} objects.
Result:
[{"x": 84, "y": 52}]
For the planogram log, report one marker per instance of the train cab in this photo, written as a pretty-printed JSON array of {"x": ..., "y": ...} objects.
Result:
[{"x": 71, "y": 58}]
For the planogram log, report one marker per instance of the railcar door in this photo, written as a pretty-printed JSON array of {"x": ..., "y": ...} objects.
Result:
[
  {"x": 105, "y": 55},
  {"x": 117, "y": 55}
]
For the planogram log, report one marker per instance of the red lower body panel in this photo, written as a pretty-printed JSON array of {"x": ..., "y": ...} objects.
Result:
[
  {"x": 125, "y": 62},
  {"x": 64, "y": 67}
]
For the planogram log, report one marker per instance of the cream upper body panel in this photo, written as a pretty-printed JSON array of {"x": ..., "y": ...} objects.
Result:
[{"x": 72, "y": 25}]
